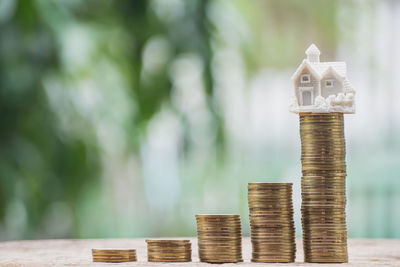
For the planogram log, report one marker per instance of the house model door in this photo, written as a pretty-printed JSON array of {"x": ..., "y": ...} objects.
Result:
[{"x": 306, "y": 96}]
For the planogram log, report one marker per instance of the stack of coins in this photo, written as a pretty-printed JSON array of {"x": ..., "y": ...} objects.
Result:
[
  {"x": 169, "y": 250},
  {"x": 219, "y": 238},
  {"x": 323, "y": 187},
  {"x": 271, "y": 222},
  {"x": 114, "y": 255}
]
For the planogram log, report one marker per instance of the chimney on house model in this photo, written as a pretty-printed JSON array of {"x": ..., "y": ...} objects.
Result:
[{"x": 313, "y": 53}]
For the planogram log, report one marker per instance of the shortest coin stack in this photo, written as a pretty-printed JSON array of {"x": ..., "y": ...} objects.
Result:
[
  {"x": 271, "y": 221},
  {"x": 169, "y": 250},
  {"x": 114, "y": 255},
  {"x": 219, "y": 238}
]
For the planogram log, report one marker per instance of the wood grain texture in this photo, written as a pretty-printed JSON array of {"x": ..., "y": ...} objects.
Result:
[{"x": 362, "y": 252}]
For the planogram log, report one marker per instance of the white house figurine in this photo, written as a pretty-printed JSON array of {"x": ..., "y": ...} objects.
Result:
[{"x": 321, "y": 87}]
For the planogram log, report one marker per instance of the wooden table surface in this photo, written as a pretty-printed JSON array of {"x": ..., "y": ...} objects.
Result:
[{"x": 362, "y": 252}]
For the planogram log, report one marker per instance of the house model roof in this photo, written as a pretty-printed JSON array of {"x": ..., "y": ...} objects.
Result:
[
  {"x": 320, "y": 68},
  {"x": 312, "y": 49}
]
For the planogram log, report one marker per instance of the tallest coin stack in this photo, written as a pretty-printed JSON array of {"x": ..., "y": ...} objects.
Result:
[
  {"x": 322, "y": 95},
  {"x": 323, "y": 187}
]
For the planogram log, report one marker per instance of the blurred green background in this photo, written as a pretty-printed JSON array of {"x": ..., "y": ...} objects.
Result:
[{"x": 126, "y": 118}]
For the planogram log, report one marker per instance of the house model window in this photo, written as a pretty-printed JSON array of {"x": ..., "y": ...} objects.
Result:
[
  {"x": 329, "y": 83},
  {"x": 305, "y": 78}
]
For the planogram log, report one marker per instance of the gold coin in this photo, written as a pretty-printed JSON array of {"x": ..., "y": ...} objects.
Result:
[
  {"x": 269, "y": 185},
  {"x": 233, "y": 250},
  {"x": 218, "y": 227},
  {"x": 170, "y": 255},
  {"x": 273, "y": 203},
  {"x": 279, "y": 251},
  {"x": 269, "y": 210},
  {"x": 167, "y": 259},
  {"x": 203, "y": 253},
  {"x": 272, "y": 238},
  {"x": 227, "y": 260},
  {"x": 270, "y": 189},
  {"x": 123, "y": 251},
  {"x": 269, "y": 197},
  {"x": 272, "y": 226},
  {"x": 325, "y": 253},
  {"x": 219, "y": 238},
  {"x": 218, "y": 216},
  {"x": 274, "y": 243},
  {"x": 324, "y": 191},
  {"x": 271, "y": 234},
  {"x": 270, "y": 214},
  {"x": 167, "y": 241},
  {"x": 211, "y": 232},
  {"x": 218, "y": 243},
  {"x": 220, "y": 257},
  {"x": 267, "y": 239},
  {"x": 272, "y": 259},
  {"x": 169, "y": 250},
  {"x": 113, "y": 257}
]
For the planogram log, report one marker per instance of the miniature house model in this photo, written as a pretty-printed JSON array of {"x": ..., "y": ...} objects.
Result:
[{"x": 321, "y": 86}]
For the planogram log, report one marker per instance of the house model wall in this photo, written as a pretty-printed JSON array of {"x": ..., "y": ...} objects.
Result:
[{"x": 321, "y": 87}]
